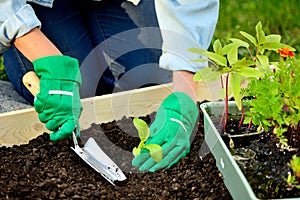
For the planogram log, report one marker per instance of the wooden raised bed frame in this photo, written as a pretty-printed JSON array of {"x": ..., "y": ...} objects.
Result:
[{"x": 19, "y": 127}]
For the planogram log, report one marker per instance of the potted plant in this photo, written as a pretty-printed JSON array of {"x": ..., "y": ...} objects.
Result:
[{"x": 269, "y": 102}]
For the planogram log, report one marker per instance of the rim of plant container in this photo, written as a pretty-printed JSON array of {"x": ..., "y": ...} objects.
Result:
[{"x": 243, "y": 134}]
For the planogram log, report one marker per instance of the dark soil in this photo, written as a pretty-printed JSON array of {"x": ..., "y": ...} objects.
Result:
[
  {"x": 44, "y": 169},
  {"x": 267, "y": 169},
  {"x": 266, "y": 173}
]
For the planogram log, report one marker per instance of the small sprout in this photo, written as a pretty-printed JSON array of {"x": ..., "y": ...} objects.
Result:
[
  {"x": 144, "y": 133},
  {"x": 231, "y": 143},
  {"x": 294, "y": 180},
  {"x": 295, "y": 165}
]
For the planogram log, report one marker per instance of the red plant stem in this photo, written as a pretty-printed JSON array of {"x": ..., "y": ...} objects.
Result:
[
  {"x": 226, "y": 102},
  {"x": 222, "y": 86},
  {"x": 242, "y": 118},
  {"x": 250, "y": 123}
]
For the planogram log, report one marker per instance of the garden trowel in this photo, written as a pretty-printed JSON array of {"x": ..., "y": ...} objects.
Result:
[{"x": 91, "y": 153}]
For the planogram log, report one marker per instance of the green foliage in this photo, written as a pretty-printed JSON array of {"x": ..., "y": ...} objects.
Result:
[
  {"x": 228, "y": 62},
  {"x": 3, "y": 75},
  {"x": 236, "y": 68},
  {"x": 295, "y": 165},
  {"x": 276, "y": 99},
  {"x": 294, "y": 180},
  {"x": 144, "y": 132},
  {"x": 278, "y": 16}
]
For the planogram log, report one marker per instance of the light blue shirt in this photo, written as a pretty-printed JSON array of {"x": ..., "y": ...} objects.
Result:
[
  {"x": 16, "y": 19},
  {"x": 184, "y": 24}
]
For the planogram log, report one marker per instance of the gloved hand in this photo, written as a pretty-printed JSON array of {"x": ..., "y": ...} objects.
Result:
[
  {"x": 171, "y": 129},
  {"x": 58, "y": 102}
]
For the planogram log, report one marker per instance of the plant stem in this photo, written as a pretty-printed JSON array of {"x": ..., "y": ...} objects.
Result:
[
  {"x": 242, "y": 117},
  {"x": 222, "y": 86},
  {"x": 226, "y": 101},
  {"x": 251, "y": 55},
  {"x": 250, "y": 123}
]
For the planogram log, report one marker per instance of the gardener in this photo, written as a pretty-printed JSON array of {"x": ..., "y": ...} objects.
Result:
[{"x": 111, "y": 40}]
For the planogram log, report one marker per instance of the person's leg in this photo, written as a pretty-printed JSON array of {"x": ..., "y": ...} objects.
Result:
[
  {"x": 127, "y": 42},
  {"x": 119, "y": 37},
  {"x": 64, "y": 26}
]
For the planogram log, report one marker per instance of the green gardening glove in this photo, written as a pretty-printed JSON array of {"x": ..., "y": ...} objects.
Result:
[
  {"x": 58, "y": 103},
  {"x": 171, "y": 129}
]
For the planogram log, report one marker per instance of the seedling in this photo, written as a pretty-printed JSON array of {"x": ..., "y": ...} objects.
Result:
[
  {"x": 144, "y": 133},
  {"x": 294, "y": 180},
  {"x": 295, "y": 165}
]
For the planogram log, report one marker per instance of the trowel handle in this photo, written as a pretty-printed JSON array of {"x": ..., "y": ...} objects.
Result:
[{"x": 32, "y": 82}]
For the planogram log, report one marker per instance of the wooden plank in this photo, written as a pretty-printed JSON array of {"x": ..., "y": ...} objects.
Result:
[
  {"x": 111, "y": 107},
  {"x": 19, "y": 127}
]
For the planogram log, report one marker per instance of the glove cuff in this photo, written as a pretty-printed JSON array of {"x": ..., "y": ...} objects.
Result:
[
  {"x": 182, "y": 104},
  {"x": 58, "y": 68}
]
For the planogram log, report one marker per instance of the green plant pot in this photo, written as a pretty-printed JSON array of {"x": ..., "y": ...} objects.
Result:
[{"x": 233, "y": 177}]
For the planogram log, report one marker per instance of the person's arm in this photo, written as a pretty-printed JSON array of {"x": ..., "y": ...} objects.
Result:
[
  {"x": 58, "y": 102},
  {"x": 16, "y": 19},
  {"x": 35, "y": 44},
  {"x": 185, "y": 24},
  {"x": 183, "y": 82}
]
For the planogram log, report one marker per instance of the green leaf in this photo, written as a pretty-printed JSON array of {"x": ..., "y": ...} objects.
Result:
[
  {"x": 249, "y": 37},
  {"x": 290, "y": 179},
  {"x": 273, "y": 38},
  {"x": 198, "y": 51},
  {"x": 228, "y": 47},
  {"x": 295, "y": 164},
  {"x": 249, "y": 72},
  {"x": 275, "y": 46},
  {"x": 260, "y": 34},
  {"x": 155, "y": 151},
  {"x": 232, "y": 56},
  {"x": 3, "y": 75},
  {"x": 225, "y": 70},
  {"x": 263, "y": 61},
  {"x": 220, "y": 60},
  {"x": 235, "y": 82},
  {"x": 143, "y": 129},
  {"x": 244, "y": 63},
  {"x": 136, "y": 151},
  {"x": 206, "y": 74},
  {"x": 198, "y": 76},
  {"x": 247, "y": 120},
  {"x": 240, "y": 43},
  {"x": 217, "y": 46}
]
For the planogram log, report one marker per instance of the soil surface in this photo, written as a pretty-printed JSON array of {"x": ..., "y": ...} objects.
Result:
[
  {"x": 263, "y": 162},
  {"x": 268, "y": 169},
  {"x": 44, "y": 169}
]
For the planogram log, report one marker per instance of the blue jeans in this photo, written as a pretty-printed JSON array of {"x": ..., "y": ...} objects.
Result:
[{"x": 118, "y": 45}]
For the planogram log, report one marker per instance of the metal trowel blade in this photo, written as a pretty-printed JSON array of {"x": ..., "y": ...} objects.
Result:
[{"x": 94, "y": 156}]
